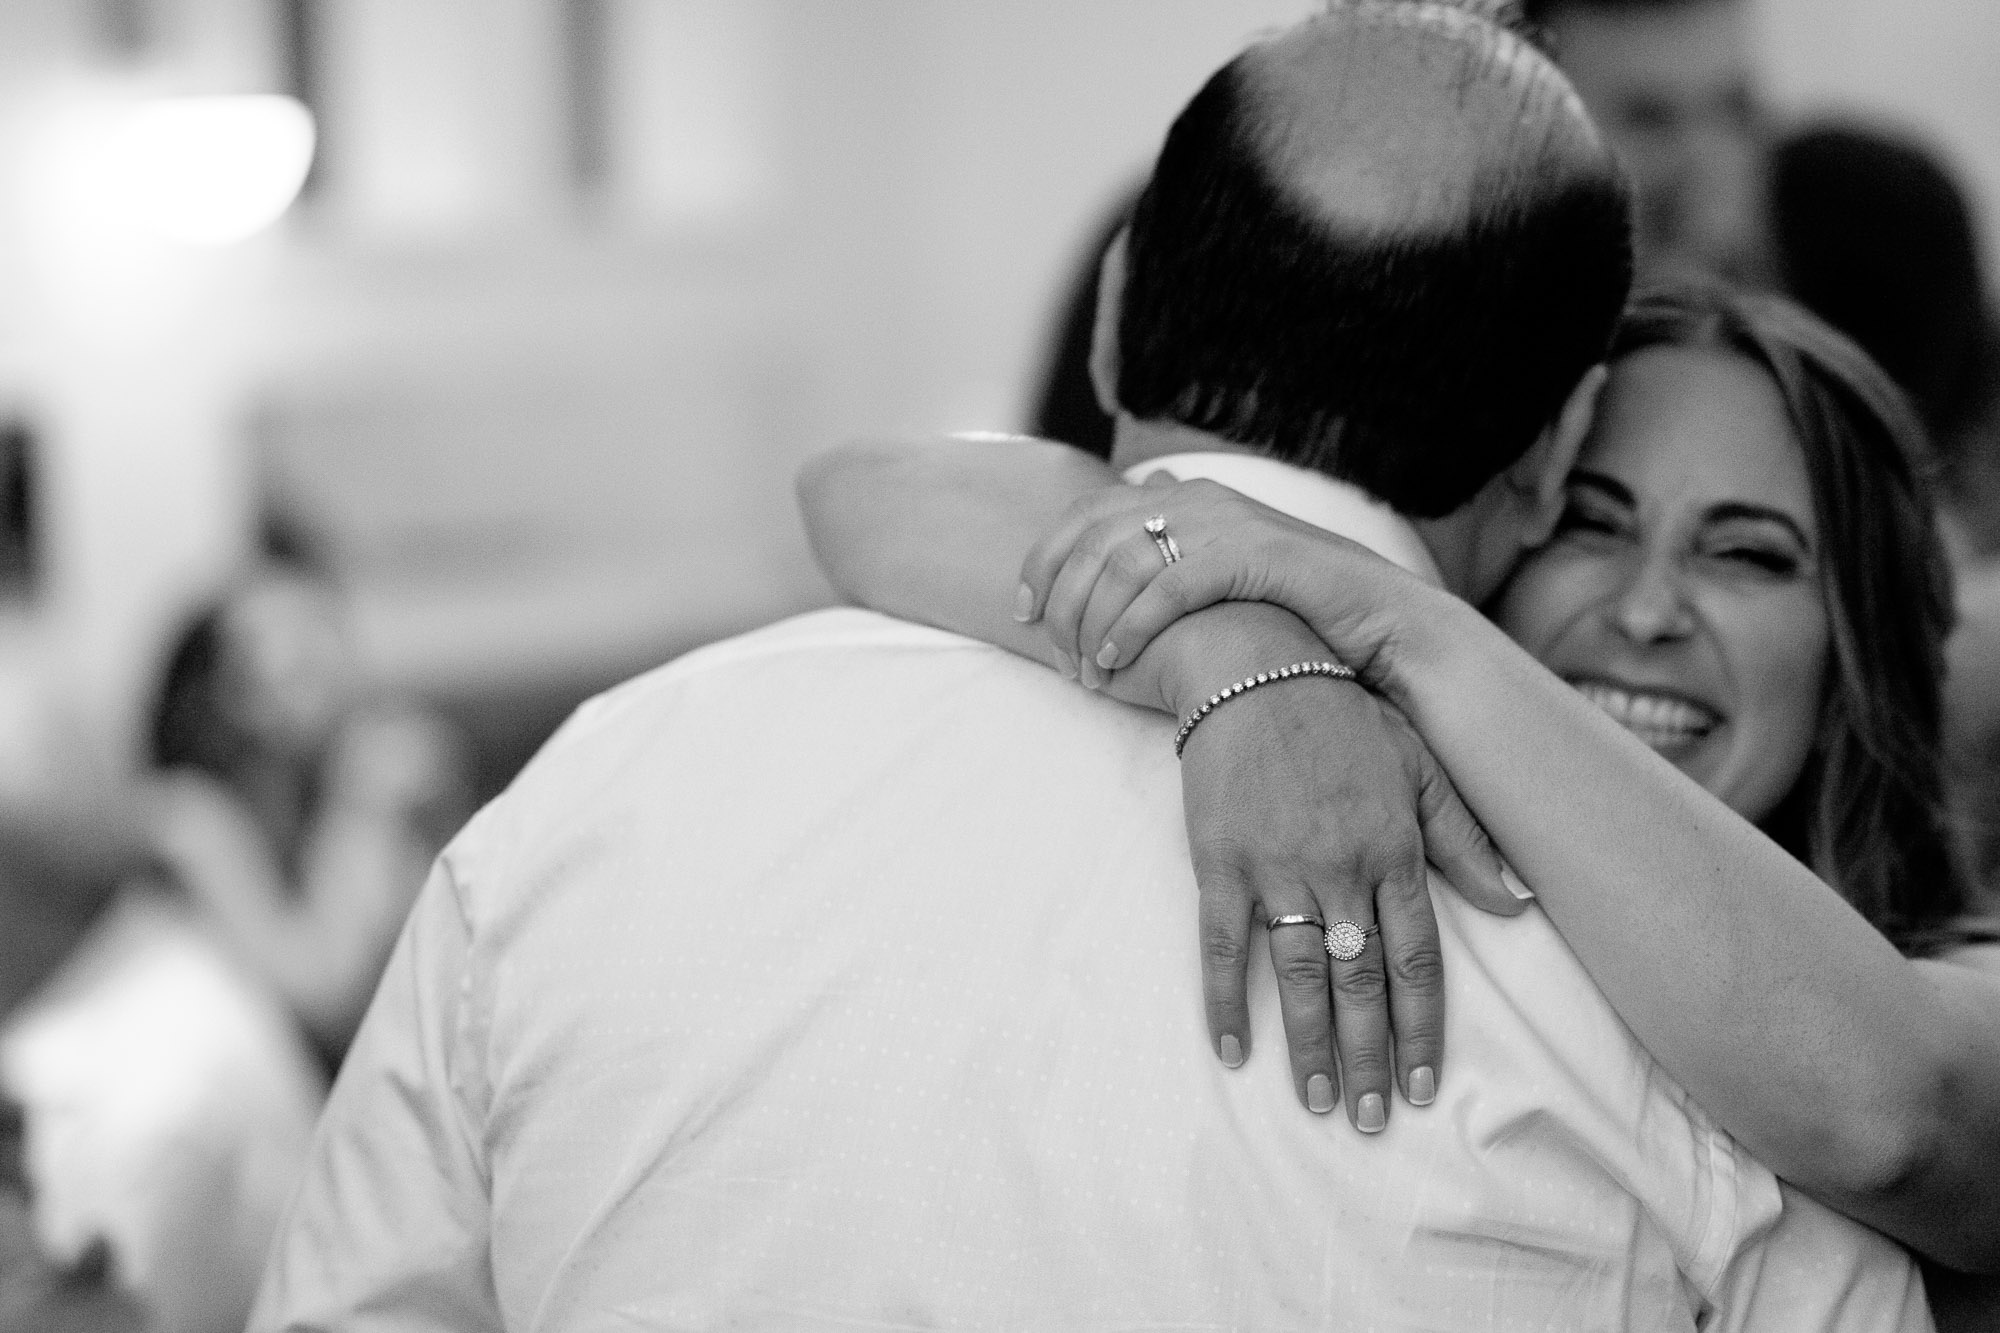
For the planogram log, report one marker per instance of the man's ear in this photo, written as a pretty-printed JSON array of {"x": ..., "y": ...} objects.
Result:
[
  {"x": 1104, "y": 332},
  {"x": 1536, "y": 479}
]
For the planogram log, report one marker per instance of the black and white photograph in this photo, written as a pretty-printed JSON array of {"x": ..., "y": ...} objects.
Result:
[{"x": 1102, "y": 665}]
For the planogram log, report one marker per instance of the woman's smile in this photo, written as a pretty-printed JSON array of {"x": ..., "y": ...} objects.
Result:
[{"x": 1670, "y": 722}]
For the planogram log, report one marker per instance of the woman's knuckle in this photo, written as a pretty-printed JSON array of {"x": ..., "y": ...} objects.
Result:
[
  {"x": 1418, "y": 966},
  {"x": 1360, "y": 985},
  {"x": 1366, "y": 1067},
  {"x": 1306, "y": 971},
  {"x": 1131, "y": 563},
  {"x": 1222, "y": 952},
  {"x": 1218, "y": 855}
]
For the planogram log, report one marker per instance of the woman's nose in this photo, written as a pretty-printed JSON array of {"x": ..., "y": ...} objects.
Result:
[{"x": 1652, "y": 606}]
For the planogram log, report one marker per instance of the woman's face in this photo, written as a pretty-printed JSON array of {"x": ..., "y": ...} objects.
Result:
[{"x": 1681, "y": 591}]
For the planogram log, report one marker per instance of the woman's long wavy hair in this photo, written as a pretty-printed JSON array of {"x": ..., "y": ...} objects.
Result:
[{"x": 1869, "y": 812}]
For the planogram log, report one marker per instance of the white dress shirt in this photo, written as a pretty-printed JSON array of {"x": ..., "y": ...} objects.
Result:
[{"x": 843, "y": 976}]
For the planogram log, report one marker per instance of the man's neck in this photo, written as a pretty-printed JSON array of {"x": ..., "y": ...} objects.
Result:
[{"x": 1135, "y": 442}]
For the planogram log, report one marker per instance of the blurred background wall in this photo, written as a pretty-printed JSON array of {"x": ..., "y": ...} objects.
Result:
[{"x": 574, "y": 285}]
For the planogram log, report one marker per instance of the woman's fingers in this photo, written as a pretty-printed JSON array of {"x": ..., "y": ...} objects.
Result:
[
  {"x": 1177, "y": 590},
  {"x": 1125, "y": 573},
  {"x": 1456, "y": 842},
  {"x": 1413, "y": 966},
  {"x": 1047, "y": 557},
  {"x": 1226, "y": 913},
  {"x": 1361, "y": 1025},
  {"x": 1298, "y": 956}
]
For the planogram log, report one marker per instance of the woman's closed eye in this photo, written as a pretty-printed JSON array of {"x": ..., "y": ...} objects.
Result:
[
  {"x": 1762, "y": 546},
  {"x": 1588, "y": 514},
  {"x": 1780, "y": 563}
]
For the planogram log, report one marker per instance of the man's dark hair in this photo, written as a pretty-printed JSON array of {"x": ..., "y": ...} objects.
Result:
[{"x": 1417, "y": 366}]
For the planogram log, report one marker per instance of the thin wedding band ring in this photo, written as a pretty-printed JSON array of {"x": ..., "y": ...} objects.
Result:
[
  {"x": 1156, "y": 528},
  {"x": 1296, "y": 919},
  {"x": 1345, "y": 940}
]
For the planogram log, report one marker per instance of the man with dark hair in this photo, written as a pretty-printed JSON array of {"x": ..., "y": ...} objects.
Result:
[
  {"x": 1415, "y": 364},
  {"x": 836, "y": 976}
]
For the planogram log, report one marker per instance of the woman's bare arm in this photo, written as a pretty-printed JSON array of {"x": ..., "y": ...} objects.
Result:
[
  {"x": 1867, "y": 1079},
  {"x": 935, "y": 532}
]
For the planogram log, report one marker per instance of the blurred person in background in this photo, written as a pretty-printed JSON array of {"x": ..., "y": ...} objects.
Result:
[
  {"x": 1673, "y": 85},
  {"x": 1877, "y": 236},
  {"x": 163, "y": 1098},
  {"x": 297, "y": 807}
]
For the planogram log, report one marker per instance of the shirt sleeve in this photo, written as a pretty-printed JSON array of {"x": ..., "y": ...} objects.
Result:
[
  {"x": 1816, "y": 1270},
  {"x": 389, "y": 1227}
]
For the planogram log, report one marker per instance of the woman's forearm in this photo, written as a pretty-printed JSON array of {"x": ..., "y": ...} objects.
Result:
[
  {"x": 1867, "y": 1079},
  {"x": 935, "y": 532}
]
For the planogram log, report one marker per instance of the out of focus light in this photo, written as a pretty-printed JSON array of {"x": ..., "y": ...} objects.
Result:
[{"x": 205, "y": 170}]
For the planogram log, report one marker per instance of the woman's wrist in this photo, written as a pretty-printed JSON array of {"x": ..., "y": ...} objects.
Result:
[{"x": 1201, "y": 653}]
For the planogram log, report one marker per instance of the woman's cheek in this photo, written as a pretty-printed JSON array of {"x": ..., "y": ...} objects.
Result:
[{"x": 1781, "y": 667}]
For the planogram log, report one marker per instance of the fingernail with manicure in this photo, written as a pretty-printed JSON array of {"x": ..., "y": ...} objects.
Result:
[
  {"x": 1068, "y": 667},
  {"x": 1024, "y": 604},
  {"x": 1514, "y": 884},
  {"x": 1107, "y": 656},
  {"x": 1231, "y": 1051},
  {"x": 1369, "y": 1117},
  {"x": 1319, "y": 1094},
  {"x": 1423, "y": 1085}
]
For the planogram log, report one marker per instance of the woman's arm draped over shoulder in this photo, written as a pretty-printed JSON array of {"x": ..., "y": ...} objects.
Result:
[
  {"x": 1870, "y": 1080},
  {"x": 935, "y": 532},
  {"x": 1866, "y": 1078}
]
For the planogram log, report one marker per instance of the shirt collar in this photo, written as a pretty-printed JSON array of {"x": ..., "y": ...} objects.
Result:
[{"x": 1340, "y": 507}]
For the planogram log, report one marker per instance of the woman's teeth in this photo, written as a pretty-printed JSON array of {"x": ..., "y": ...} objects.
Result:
[{"x": 1659, "y": 720}]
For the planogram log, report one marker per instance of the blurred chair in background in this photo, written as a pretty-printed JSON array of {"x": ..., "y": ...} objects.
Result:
[{"x": 298, "y": 809}]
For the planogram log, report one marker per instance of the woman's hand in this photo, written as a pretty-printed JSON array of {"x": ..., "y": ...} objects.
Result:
[
  {"x": 1355, "y": 851},
  {"x": 1314, "y": 798},
  {"x": 1102, "y": 590}
]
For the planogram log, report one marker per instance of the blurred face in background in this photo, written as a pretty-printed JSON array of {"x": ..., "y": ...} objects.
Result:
[
  {"x": 288, "y": 673},
  {"x": 1674, "y": 88}
]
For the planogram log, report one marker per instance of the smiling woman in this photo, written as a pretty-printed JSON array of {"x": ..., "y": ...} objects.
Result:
[
  {"x": 1746, "y": 579},
  {"x": 1680, "y": 594},
  {"x": 1744, "y": 520}
]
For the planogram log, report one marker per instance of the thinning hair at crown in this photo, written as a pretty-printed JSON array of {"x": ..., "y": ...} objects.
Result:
[{"x": 1385, "y": 244}]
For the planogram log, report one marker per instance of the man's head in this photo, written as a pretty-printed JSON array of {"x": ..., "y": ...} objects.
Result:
[
  {"x": 1673, "y": 85},
  {"x": 1387, "y": 245}
]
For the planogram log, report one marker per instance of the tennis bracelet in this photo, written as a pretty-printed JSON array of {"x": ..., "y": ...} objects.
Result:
[{"x": 1331, "y": 670}]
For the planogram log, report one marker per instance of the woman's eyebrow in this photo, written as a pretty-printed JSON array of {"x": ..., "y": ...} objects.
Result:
[{"x": 1730, "y": 510}]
